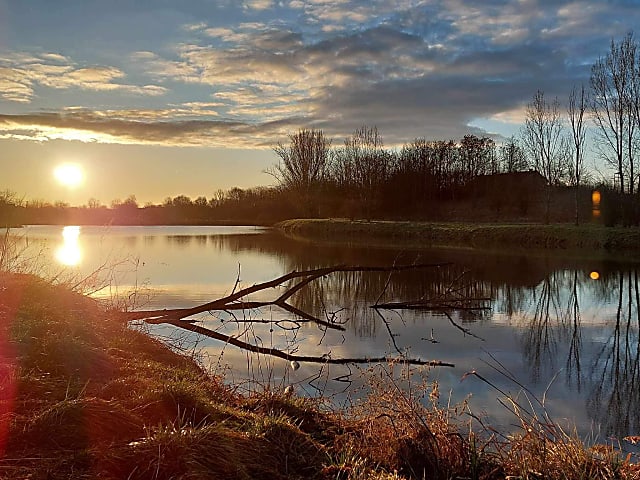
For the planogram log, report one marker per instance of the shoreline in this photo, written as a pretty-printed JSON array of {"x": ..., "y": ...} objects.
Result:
[{"x": 554, "y": 238}]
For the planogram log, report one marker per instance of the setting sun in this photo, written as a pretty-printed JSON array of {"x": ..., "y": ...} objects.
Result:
[{"x": 69, "y": 174}]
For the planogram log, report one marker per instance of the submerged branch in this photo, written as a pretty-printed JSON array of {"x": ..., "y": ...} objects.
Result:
[
  {"x": 274, "y": 352},
  {"x": 179, "y": 317},
  {"x": 231, "y": 302}
]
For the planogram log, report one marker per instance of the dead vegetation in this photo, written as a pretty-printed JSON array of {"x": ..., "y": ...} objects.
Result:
[{"x": 83, "y": 396}]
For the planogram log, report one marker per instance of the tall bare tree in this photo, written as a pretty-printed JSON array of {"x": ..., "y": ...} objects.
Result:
[
  {"x": 545, "y": 143},
  {"x": 362, "y": 166},
  {"x": 512, "y": 157},
  {"x": 614, "y": 86},
  {"x": 476, "y": 157},
  {"x": 303, "y": 163},
  {"x": 576, "y": 109}
]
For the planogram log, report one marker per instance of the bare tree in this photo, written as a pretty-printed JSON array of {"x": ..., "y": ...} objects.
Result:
[
  {"x": 546, "y": 145},
  {"x": 614, "y": 87},
  {"x": 303, "y": 163},
  {"x": 476, "y": 156},
  {"x": 362, "y": 166},
  {"x": 634, "y": 101},
  {"x": 575, "y": 109},
  {"x": 512, "y": 157}
]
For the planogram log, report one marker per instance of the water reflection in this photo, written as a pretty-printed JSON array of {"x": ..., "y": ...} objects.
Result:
[
  {"x": 565, "y": 327},
  {"x": 69, "y": 253},
  {"x": 615, "y": 370}
]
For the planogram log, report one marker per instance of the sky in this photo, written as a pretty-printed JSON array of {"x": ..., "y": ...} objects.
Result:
[{"x": 158, "y": 98}]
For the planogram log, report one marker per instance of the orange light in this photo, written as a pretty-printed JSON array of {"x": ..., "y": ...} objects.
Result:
[
  {"x": 595, "y": 198},
  {"x": 594, "y": 275}
]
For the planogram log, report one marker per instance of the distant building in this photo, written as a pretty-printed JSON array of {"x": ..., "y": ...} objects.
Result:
[
  {"x": 530, "y": 181},
  {"x": 517, "y": 192}
]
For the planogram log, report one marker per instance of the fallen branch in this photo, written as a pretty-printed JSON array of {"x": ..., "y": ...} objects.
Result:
[
  {"x": 231, "y": 302},
  {"x": 179, "y": 317},
  {"x": 274, "y": 352}
]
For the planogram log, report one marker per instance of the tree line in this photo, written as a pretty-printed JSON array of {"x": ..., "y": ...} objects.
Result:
[
  {"x": 369, "y": 180},
  {"x": 362, "y": 178},
  {"x": 236, "y": 206}
]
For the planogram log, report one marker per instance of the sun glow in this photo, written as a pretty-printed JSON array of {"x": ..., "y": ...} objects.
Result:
[
  {"x": 69, "y": 252},
  {"x": 69, "y": 174}
]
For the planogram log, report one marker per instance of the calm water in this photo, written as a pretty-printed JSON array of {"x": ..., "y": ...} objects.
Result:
[{"x": 566, "y": 329}]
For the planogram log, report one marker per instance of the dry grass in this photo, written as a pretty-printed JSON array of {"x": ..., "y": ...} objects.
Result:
[{"x": 85, "y": 397}]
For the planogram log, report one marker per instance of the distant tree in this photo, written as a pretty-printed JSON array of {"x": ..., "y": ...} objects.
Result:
[
  {"x": 9, "y": 203},
  {"x": 362, "y": 166},
  {"x": 576, "y": 109},
  {"x": 236, "y": 194},
  {"x": 181, "y": 202},
  {"x": 615, "y": 86},
  {"x": 546, "y": 145},
  {"x": 94, "y": 203},
  {"x": 416, "y": 173},
  {"x": 446, "y": 160},
  {"x": 8, "y": 197},
  {"x": 130, "y": 202},
  {"x": 35, "y": 203},
  {"x": 512, "y": 157},
  {"x": 218, "y": 198},
  {"x": 303, "y": 164},
  {"x": 477, "y": 157}
]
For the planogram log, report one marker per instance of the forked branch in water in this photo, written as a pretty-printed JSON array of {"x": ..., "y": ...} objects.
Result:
[{"x": 180, "y": 317}]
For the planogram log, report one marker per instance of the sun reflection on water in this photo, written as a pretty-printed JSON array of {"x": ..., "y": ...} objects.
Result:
[{"x": 69, "y": 253}]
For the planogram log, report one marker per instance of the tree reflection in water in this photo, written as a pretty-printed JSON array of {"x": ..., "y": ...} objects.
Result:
[
  {"x": 546, "y": 298},
  {"x": 565, "y": 322},
  {"x": 615, "y": 393}
]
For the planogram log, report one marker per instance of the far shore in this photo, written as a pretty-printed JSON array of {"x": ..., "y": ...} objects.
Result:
[
  {"x": 587, "y": 238},
  {"x": 557, "y": 238}
]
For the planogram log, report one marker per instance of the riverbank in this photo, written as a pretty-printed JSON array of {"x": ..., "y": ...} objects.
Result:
[
  {"x": 84, "y": 396},
  {"x": 594, "y": 239}
]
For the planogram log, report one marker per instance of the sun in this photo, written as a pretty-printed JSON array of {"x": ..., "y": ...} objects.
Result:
[{"x": 69, "y": 174}]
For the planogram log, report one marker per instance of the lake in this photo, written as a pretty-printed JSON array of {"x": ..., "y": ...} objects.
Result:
[{"x": 560, "y": 329}]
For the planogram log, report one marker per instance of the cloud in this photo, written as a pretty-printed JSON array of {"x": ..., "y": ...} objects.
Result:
[
  {"x": 21, "y": 74},
  {"x": 257, "y": 4},
  {"x": 138, "y": 127},
  {"x": 15, "y": 85},
  {"x": 414, "y": 68}
]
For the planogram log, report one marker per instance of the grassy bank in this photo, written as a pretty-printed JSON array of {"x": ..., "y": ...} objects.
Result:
[
  {"x": 83, "y": 396},
  {"x": 587, "y": 238}
]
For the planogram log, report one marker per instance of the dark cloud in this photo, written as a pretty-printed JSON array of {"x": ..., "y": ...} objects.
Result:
[{"x": 185, "y": 132}]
